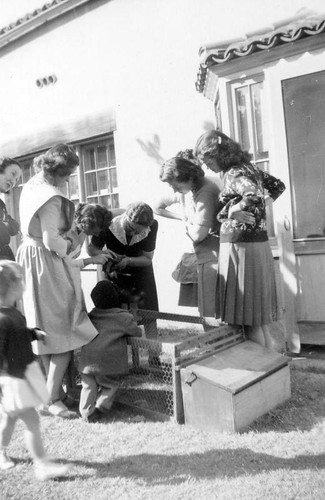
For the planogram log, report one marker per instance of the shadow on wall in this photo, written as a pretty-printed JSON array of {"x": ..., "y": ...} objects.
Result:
[{"x": 152, "y": 148}]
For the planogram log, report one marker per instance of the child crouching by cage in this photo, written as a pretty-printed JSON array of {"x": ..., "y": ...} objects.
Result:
[
  {"x": 104, "y": 360},
  {"x": 22, "y": 385}
]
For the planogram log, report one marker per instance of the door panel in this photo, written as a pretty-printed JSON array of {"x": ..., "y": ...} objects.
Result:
[{"x": 304, "y": 107}]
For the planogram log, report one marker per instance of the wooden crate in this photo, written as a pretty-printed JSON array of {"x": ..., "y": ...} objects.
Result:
[
  {"x": 156, "y": 390},
  {"x": 228, "y": 390}
]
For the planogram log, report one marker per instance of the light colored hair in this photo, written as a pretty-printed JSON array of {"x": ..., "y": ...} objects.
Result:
[
  {"x": 10, "y": 273},
  {"x": 61, "y": 160}
]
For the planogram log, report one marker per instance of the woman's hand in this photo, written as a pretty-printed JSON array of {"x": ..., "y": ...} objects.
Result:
[
  {"x": 240, "y": 215},
  {"x": 100, "y": 259},
  {"x": 122, "y": 264},
  {"x": 40, "y": 335},
  {"x": 73, "y": 241}
]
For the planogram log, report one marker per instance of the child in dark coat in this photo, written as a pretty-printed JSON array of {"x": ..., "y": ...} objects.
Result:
[
  {"x": 104, "y": 360},
  {"x": 22, "y": 385}
]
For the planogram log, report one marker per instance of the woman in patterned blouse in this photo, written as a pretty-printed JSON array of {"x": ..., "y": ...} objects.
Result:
[{"x": 246, "y": 282}]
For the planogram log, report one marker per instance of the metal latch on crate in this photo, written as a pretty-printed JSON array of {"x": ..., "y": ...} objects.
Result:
[{"x": 192, "y": 378}]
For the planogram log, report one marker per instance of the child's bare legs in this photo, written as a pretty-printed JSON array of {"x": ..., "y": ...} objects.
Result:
[
  {"x": 44, "y": 469},
  {"x": 33, "y": 438},
  {"x": 7, "y": 427}
]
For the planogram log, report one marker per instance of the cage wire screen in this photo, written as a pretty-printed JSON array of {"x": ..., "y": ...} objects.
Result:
[{"x": 153, "y": 384}]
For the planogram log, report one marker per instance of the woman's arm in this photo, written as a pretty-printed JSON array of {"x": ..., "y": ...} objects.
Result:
[
  {"x": 143, "y": 260},
  {"x": 202, "y": 220},
  {"x": 92, "y": 250},
  {"x": 49, "y": 216},
  {"x": 274, "y": 187},
  {"x": 196, "y": 232},
  {"x": 160, "y": 208}
]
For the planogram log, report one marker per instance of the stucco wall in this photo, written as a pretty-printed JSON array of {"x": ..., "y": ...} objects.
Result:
[
  {"x": 129, "y": 55},
  {"x": 139, "y": 56}
]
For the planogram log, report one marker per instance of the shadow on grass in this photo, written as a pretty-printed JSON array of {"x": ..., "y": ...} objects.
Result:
[{"x": 177, "y": 469}]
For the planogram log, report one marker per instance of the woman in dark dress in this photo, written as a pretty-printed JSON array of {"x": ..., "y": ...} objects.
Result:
[
  {"x": 10, "y": 171},
  {"x": 130, "y": 239}
]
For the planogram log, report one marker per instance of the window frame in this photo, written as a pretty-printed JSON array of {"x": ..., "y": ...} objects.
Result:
[
  {"x": 234, "y": 123},
  {"x": 81, "y": 182}
]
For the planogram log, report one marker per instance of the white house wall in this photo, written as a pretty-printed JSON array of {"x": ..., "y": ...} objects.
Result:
[
  {"x": 128, "y": 55},
  {"x": 141, "y": 57}
]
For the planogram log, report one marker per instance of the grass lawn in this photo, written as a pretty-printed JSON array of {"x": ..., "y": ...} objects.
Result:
[{"x": 281, "y": 456}]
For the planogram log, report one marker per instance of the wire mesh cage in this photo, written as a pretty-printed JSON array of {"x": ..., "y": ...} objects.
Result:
[{"x": 168, "y": 341}]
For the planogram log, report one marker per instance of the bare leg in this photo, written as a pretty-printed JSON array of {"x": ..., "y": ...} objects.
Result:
[
  {"x": 256, "y": 334},
  {"x": 57, "y": 368},
  {"x": 44, "y": 469},
  {"x": 33, "y": 437},
  {"x": 45, "y": 358},
  {"x": 7, "y": 427}
]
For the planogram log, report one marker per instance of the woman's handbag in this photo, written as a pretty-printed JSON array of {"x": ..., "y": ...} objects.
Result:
[{"x": 186, "y": 270}]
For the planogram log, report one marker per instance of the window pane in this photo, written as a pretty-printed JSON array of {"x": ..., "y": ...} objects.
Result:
[
  {"x": 115, "y": 201},
  {"x": 269, "y": 210},
  {"x": 106, "y": 201},
  {"x": 113, "y": 177},
  {"x": 102, "y": 157},
  {"x": 91, "y": 184},
  {"x": 103, "y": 181},
  {"x": 26, "y": 175},
  {"x": 89, "y": 159},
  {"x": 92, "y": 199},
  {"x": 73, "y": 187},
  {"x": 112, "y": 159},
  {"x": 261, "y": 147},
  {"x": 242, "y": 117}
]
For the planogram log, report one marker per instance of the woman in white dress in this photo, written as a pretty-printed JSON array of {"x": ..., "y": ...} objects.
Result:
[{"x": 52, "y": 299}]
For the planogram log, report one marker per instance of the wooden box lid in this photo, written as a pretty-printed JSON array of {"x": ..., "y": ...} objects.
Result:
[{"x": 237, "y": 367}]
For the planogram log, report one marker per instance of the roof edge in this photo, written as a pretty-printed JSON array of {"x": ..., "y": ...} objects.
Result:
[{"x": 30, "y": 22}]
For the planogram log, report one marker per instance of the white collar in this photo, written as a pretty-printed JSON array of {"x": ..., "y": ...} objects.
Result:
[{"x": 117, "y": 229}]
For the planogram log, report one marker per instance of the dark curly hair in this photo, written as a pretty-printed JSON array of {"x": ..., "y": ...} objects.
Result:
[
  {"x": 59, "y": 161},
  {"x": 5, "y": 161},
  {"x": 227, "y": 152},
  {"x": 89, "y": 216},
  {"x": 188, "y": 154},
  {"x": 181, "y": 169}
]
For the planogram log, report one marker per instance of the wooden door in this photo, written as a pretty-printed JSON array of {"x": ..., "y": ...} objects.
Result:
[{"x": 304, "y": 108}]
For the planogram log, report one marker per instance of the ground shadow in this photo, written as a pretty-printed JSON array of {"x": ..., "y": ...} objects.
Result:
[{"x": 175, "y": 469}]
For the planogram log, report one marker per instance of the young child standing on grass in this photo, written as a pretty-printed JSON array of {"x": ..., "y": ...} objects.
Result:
[
  {"x": 104, "y": 360},
  {"x": 22, "y": 385}
]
